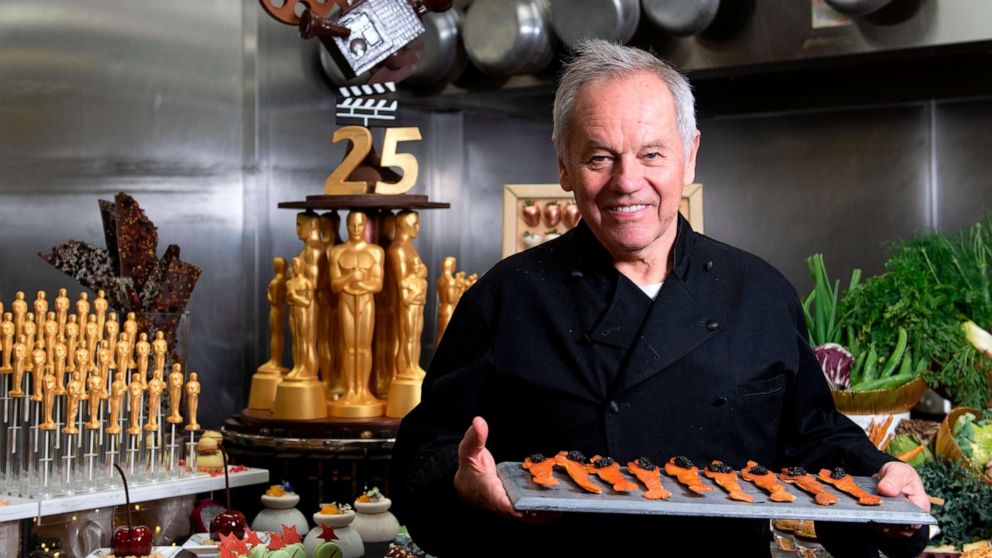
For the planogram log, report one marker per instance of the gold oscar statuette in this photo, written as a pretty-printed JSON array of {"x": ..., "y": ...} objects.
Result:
[
  {"x": 83, "y": 310},
  {"x": 50, "y": 386},
  {"x": 39, "y": 358},
  {"x": 74, "y": 392},
  {"x": 20, "y": 309},
  {"x": 411, "y": 296},
  {"x": 92, "y": 342},
  {"x": 72, "y": 338},
  {"x": 356, "y": 275},
  {"x": 269, "y": 375},
  {"x": 30, "y": 330},
  {"x": 131, "y": 329},
  {"x": 51, "y": 329},
  {"x": 103, "y": 361},
  {"x": 61, "y": 353},
  {"x": 123, "y": 352},
  {"x": 143, "y": 349},
  {"x": 100, "y": 305},
  {"x": 117, "y": 390},
  {"x": 447, "y": 295},
  {"x": 385, "y": 339},
  {"x": 111, "y": 329},
  {"x": 7, "y": 329},
  {"x": 136, "y": 394},
  {"x": 20, "y": 356},
  {"x": 316, "y": 249},
  {"x": 192, "y": 401},
  {"x": 83, "y": 367},
  {"x": 175, "y": 394},
  {"x": 300, "y": 396},
  {"x": 96, "y": 394},
  {"x": 155, "y": 388},
  {"x": 159, "y": 346},
  {"x": 41, "y": 311},
  {"x": 62, "y": 304}
]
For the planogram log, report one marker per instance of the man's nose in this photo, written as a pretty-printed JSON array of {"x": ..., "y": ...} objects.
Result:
[{"x": 627, "y": 174}]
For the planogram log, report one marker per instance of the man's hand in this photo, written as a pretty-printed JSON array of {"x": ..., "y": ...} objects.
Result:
[
  {"x": 476, "y": 481},
  {"x": 895, "y": 478}
]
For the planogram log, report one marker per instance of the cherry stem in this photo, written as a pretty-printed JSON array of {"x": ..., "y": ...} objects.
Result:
[
  {"x": 127, "y": 494},
  {"x": 227, "y": 480}
]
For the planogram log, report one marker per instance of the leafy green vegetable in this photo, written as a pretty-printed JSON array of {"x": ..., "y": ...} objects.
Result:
[
  {"x": 820, "y": 307},
  {"x": 966, "y": 515},
  {"x": 905, "y": 442},
  {"x": 930, "y": 285},
  {"x": 974, "y": 437}
]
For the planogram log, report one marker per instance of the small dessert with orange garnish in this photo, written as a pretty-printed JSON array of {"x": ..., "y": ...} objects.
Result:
[
  {"x": 765, "y": 480},
  {"x": 799, "y": 477},
  {"x": 370, "y": 496},
  {"x": 681, "y": 469},
  {"x": 845, "y": 483},
  {"x": 574, "y": 463},
  {"x": 725, "y": 476},
  {"x": 334, "y": 508},
  {"x": 541, "y": 469},
  {"x": 650, "y": 475},
  {"x": 609, "y": 470}
]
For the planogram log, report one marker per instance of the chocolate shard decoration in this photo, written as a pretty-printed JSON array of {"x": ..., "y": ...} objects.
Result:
[
  {"x": 154, "y": 284},
  {"x": 122, "y": 295},
  {"x": 89, "y": 265},
  {"x": 137, "y": 241},
  {"x": 108, "y": 210},
  {"x": 177, "y": 287}
]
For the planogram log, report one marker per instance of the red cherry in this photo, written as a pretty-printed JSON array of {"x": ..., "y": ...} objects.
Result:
[
  {"x": 229, "y": 522},
  {"x": 131, "y": 541}
]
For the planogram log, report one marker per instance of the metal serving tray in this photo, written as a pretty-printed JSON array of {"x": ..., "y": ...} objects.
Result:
[{"x": 568, "y": 497}]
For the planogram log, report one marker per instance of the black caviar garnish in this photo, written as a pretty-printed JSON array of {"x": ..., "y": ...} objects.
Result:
[
  {"x": 720, "y": 467},
  {"x": 576, "y": 455},
  {"x": 603, "y": 462},
  {"x": 646, "y": 464},
  {"x": 796, "y": 471},
  {"x": 683, "y": 461},
  {"x": 838, "y": 473},
  {"x": 759, "y": 470},
  {"x": 537, "y": 458}
]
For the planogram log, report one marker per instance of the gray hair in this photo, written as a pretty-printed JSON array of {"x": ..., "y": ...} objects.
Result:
[{"x": 596, "y": 60}]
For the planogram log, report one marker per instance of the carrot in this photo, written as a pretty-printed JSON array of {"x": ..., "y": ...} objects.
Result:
[
  {"x": 885, "y": 443},
  {"x": 906, "y": 456}
]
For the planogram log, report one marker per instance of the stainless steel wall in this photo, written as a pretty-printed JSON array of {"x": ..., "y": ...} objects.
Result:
[
  {"x": 210, "y": 114},
  {"x": 102, "y": 96}
]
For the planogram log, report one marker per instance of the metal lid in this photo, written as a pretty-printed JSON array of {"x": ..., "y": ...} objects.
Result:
[
  {"x": 507, "y": 37},
  {"x": 681, "y": 17},
  {"x": 613, "y": 20}
]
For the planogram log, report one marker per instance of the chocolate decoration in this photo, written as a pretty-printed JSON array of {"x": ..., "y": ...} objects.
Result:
[
  {"x": 137, "y": 240},
  {"x": 89, "y": 265},
  {"x": 108, "y": 210}
]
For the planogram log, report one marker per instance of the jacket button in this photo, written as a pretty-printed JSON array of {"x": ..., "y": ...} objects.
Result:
[
  {"x": 719, "y": 401},
  {"x": 712, "y": 325},
  {"x": 585, "y": 339},
  {"x": 614, "y": 408},
  {"x": 708, "y": 265},
  {"x": 576, "y": 274}
]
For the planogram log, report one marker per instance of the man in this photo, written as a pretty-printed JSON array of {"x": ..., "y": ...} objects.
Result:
[{"x": 629, "y": 336}]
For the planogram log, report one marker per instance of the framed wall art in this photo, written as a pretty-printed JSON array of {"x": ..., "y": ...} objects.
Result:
[{"x": 535, "y": 213}]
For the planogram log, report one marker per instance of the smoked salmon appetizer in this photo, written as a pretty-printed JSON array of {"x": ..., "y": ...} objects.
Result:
[
  {"x": 574, "y": 464},
  {"x": 725, "y": 476},
  {"x": 681, "y": 469},
  {"x": 541, "y": 469},
  {"x": 799, "y": 477},
  {"x": 765, "y": 480},
  {"x": 650, "y": 475},
  {"x": 845, "y": 483},
  {"x": 609, "y": 470}
]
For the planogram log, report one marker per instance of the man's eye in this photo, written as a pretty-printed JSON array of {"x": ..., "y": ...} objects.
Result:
[
  {"x": 652, "y": 155},
  {"x": 599, "y": 159}
]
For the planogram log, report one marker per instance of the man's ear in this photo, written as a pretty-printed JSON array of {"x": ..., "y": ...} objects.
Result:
[
  {"x": 689, "y": 169},
  {"x": 563, "y": 177}
]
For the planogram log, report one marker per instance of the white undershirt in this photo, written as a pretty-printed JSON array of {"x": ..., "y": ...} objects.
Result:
[{"x": 652, "y": 289}]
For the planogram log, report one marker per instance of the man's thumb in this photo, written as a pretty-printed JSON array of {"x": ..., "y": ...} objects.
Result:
[{"x": 475, "y": 437}]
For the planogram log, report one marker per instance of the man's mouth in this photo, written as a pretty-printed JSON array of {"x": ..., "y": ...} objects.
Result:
[{"x": 627, "y": 208}]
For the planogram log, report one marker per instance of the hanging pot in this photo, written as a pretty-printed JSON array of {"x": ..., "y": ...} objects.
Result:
[
  {"x": 681, "y": 18},
  {"x": 613, "y": 20},
  {"x": 857, "y": 7},
  {"x": 443, "y": 58},
  {"x": 508, "y": 37}
]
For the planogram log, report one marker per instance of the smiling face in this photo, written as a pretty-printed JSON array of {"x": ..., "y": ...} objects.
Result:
[{"x": 627, "y": 165}]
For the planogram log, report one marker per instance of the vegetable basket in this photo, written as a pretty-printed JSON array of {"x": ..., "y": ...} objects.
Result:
[
  {"x": 947, "y": 447},
  {"x": 880, "y": 401}
]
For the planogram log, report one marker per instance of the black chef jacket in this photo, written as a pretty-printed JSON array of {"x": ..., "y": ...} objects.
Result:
[{"x": 559, "y": 351}]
